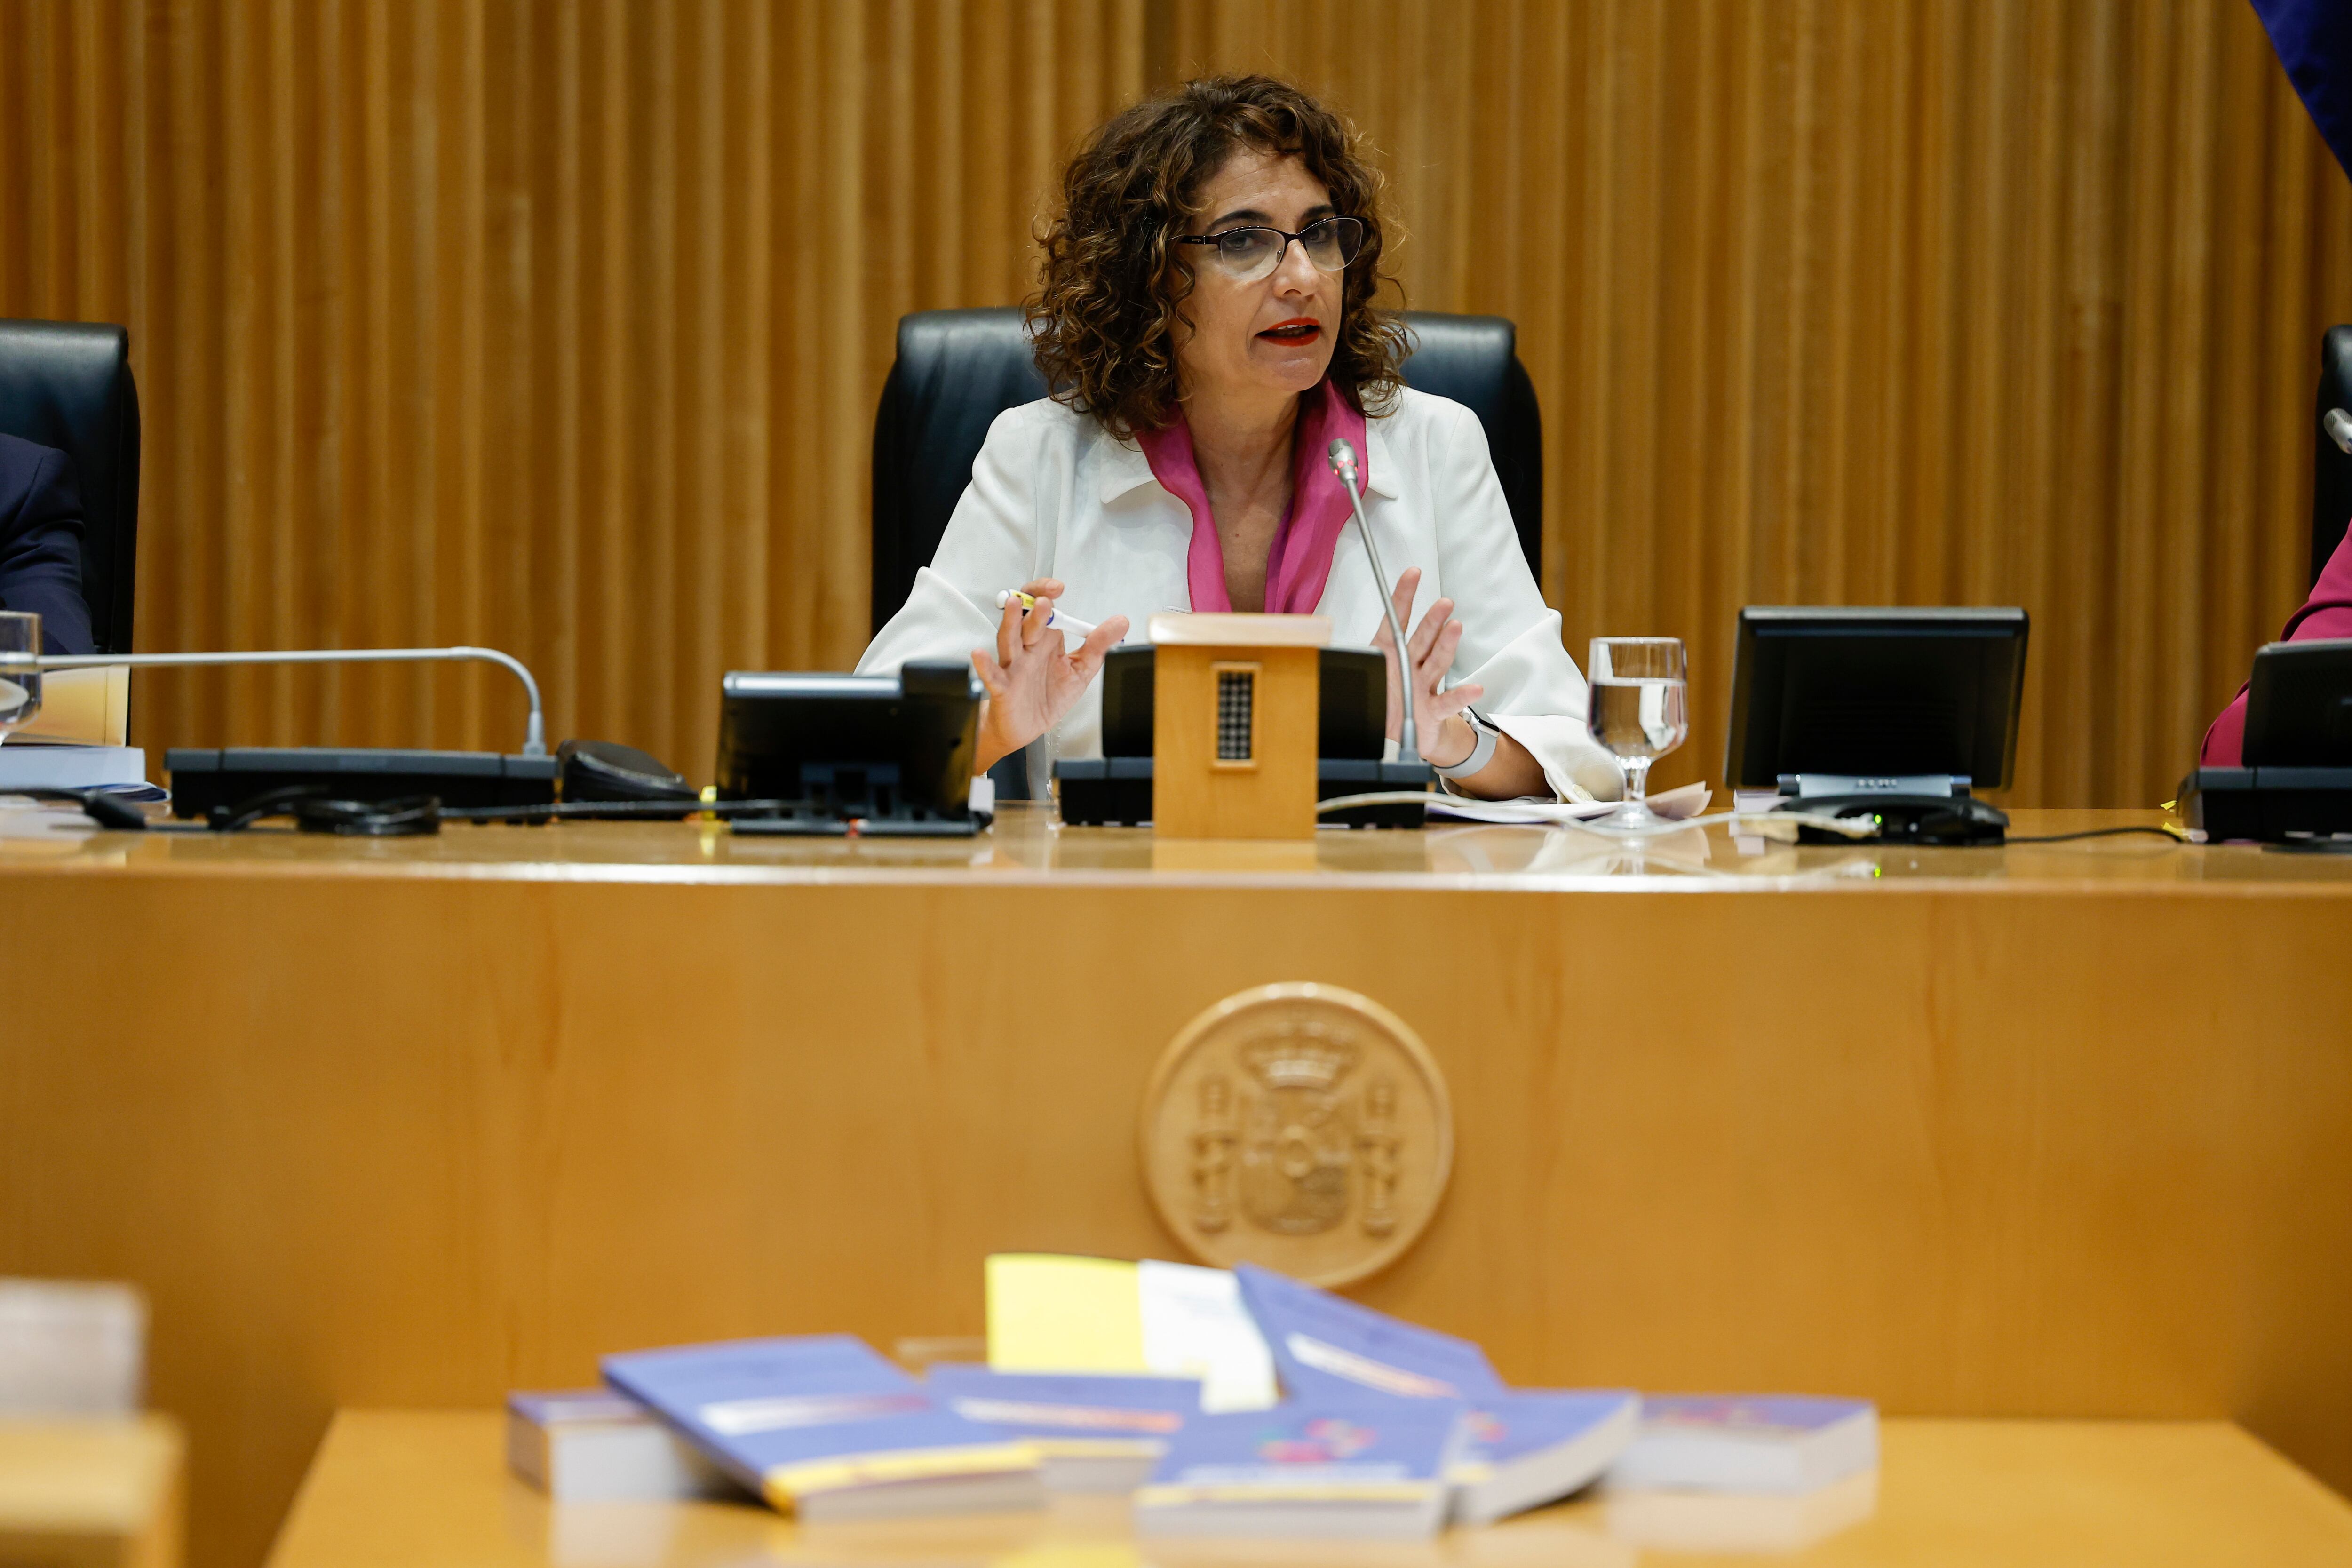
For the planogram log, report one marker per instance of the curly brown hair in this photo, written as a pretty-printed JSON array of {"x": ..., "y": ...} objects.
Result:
[{"x": 1113, "y": 283}]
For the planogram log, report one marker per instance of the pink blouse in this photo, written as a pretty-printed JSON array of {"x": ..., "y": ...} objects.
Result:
[{"x": 1300, "y": 561}]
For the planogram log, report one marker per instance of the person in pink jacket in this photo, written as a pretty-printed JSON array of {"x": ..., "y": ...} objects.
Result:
[{"x": 2326, "y": 613}]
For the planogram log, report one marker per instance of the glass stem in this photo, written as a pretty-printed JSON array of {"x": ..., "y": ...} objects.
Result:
[{"x": 1637, "y": 779}]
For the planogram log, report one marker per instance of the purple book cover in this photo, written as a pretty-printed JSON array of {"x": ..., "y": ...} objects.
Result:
[
  {"x": 1522, "y": 1422},
  {"x": 1067, "y": 1405},
  {"x": 1389, "y": 1444},
  {"x": 1328, "y": 1348}
]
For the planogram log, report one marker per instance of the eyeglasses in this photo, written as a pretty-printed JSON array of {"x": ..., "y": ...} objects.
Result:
[{"x": 1246, "y": 255}]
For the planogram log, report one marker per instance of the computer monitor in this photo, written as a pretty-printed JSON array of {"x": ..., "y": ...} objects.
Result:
[
  {"x": 1875, "y": 693},
  {"x": 892, "y": 752},
  {"x": 2299, "y": 705},
  {"x": 1352, "y": 722}
]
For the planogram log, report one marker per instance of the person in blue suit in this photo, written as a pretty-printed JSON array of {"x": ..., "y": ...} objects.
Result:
[{"x": 41, "y": 543}]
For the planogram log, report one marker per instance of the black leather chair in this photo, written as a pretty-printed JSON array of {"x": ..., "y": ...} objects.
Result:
[
  {"x": 958, "y": 369},
  {"x": 67, "y": 385},
  {"x": 2331, "y": 470}
]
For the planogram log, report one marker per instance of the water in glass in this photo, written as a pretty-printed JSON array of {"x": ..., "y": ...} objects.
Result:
[
  {"x": 20, "y": 676},
  {"x": 1638, "y": 712}
]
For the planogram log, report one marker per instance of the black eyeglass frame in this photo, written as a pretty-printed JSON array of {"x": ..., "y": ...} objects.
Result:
[{"x": 1362, "y": 230}]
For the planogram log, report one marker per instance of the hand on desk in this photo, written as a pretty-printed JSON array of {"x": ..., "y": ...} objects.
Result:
[
  {"x": 1035, "y": 679},
  {"x": 1441, "y": 732}
]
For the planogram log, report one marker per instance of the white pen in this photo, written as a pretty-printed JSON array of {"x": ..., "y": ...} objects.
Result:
[{"x": 1055, "y": 619}]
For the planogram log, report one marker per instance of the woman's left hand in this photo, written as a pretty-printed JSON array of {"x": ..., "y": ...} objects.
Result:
[{"x": 1443, "y": 736}]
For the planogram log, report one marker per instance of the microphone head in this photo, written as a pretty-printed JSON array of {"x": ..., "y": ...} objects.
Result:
[{"x": 1342, "y": 456}]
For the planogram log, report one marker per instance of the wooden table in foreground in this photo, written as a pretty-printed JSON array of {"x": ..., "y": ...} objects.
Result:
[
  {"x": 2060, "y": 1129},
  {"x": 429, "y": 1489}
]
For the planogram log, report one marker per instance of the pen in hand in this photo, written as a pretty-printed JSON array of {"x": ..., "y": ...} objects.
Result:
[{"x": 1055, "y": 620}]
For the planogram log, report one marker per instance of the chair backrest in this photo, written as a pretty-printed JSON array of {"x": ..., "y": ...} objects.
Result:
[
  {"x": 67, "y": 385},
  {"x": 2331, "y": 468},
  {"x": 1474, "y": 360},
  {"x": 958, "y": 369}
]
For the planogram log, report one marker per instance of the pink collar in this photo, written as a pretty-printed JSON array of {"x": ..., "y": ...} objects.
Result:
[{"x": 1300, "y": 562}]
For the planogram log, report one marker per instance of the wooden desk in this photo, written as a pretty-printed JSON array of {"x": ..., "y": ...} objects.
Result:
[
  {"x": 90, "y": 1492},
  {"x": 2053, "y": 1130},
  {"x": 409, "y": 1489}
]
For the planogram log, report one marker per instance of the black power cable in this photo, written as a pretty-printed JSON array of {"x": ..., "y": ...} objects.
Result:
[{"x": 2102, "y": 833}]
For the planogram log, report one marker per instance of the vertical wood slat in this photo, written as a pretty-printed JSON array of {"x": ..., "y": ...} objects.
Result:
[
  {"x": 558, "y": 323},
  {"x": 1920, "y": 302},
  {"x": 553, "y": 324}
]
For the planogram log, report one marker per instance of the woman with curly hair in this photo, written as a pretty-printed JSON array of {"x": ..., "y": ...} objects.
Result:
[{"x": 1207, "y": 320}]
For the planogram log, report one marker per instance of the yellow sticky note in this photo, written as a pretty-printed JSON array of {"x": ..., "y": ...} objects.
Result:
[{"x": 1049, "y": 1312}]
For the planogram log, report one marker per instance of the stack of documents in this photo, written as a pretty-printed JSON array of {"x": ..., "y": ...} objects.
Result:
[
  {"x": 77, "y": 741},
  {"x": 1520, "y": 1448},
  {"x": 1052, "y": 1313},
  {"x": 1748, "y": 1443},
  {"x": 825, "y": 1428},
  {"x": 1091, "y": 1432},
  {"x": 1674, "y": 806},
  {"x": 595, "y": 1446},
  {"x": 1353, "y": 1470},
  {"x": 1228, "y": 1402},
  {"x": 69, "y": 1349}
]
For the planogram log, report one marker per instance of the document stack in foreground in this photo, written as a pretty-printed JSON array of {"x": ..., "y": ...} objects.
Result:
[
  {"x": 1239, "y": 1403},
  {"x": 595, "y": 1446},
  {"x": 826, "y": 1428},
  {"x": 1520, "y": 1447},
  {"x": 1091, "y": 1433},
  {"x": 1340, "y": 1471}
]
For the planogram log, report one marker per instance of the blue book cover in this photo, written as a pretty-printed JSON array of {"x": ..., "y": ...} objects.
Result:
[
  {"x": 1328, "y": 1348},
  {"x": 1390, "y": 1451},
  {"x": 800, "y": 1418},
  {"x": 1508, "y": 1428},
  {"x": 1069, "y": 1412},
  {"x": 1530, "y": 1446}
]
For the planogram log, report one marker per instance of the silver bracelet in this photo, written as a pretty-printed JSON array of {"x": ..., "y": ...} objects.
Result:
[{"x": 1481, "y": 754}]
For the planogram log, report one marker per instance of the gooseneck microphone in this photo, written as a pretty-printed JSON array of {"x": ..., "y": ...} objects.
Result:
[
  {"x": 1343, "y": 463},
  {"x": 534, "y": 743}
]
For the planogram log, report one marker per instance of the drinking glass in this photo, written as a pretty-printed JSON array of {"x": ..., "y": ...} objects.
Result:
[
  {"x": 1638, "y": 712},
  {"x": 20, "y": 675}
]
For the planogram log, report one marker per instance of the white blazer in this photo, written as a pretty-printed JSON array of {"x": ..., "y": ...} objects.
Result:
[{"x": 1054, "y": 495}]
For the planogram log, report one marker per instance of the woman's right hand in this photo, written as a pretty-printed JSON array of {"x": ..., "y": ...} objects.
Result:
[{"x": 1035, "y": 679}]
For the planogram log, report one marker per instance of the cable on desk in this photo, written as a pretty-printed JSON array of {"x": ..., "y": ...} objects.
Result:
[
  {"x": 416, "y": 816},
  {"x": 2176, "y": 836},
  {"x": 657, "y": 810}
]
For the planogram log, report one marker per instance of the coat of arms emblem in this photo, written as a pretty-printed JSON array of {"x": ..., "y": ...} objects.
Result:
[{"x": 1299, "y": 1126}]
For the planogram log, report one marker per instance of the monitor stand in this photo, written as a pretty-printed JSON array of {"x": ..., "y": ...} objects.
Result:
[{"x": 1911, "y": 808}]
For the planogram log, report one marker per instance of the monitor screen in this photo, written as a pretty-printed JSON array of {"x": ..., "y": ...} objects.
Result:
[
  {"x": 2299, "y": 705},
  {"x": 1876, "y": 692},
  {"x": 1353, "y": 718},
  {"x": 854, "y": 745}
]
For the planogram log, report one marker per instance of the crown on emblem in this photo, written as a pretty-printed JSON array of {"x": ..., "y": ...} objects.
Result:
[{"x": 1303, "y": 1055}]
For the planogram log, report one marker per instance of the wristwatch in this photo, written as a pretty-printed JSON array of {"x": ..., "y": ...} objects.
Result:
[{"x": 1482, "y": 751}]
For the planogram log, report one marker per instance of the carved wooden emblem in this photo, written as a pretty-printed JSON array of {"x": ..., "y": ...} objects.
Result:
[{"x": 1297, "y": 1126}]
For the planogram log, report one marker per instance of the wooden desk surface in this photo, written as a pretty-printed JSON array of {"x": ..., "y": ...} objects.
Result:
[
  {"x": 2053, "y": 1130},
  {"x": 89, "y": 1491},
  {"x": 406, "y": 1488},
  {"x": 1026, "y": 848}
]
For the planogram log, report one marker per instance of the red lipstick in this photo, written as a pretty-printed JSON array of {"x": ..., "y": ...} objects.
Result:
[{"x": 1297, "y": 329}]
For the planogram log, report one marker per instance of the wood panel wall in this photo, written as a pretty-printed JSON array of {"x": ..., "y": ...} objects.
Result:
[
  {"x": 559, "y": 327},
  {"x": 554, "y": 327}
]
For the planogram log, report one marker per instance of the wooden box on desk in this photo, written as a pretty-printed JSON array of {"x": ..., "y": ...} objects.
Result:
[
  {"x": 1235, "y": 703},
  {"x": 91, "y": 1491}
]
